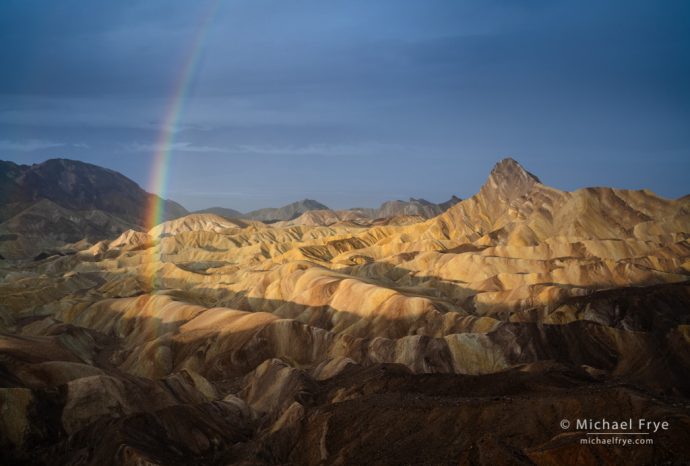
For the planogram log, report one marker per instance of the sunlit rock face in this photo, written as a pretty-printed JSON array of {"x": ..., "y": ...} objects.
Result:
[{"x": 329, "y": 339}]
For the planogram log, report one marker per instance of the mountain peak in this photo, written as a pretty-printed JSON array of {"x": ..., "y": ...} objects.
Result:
[
  {"x": 510, "y": 170},
  {"x": 508, "y": 181}
]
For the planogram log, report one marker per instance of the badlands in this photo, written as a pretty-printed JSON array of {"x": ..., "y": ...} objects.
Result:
[{"x": 466, "y": 338}]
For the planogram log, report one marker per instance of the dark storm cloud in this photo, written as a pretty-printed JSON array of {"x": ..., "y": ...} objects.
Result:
[{"x": 314, "y": 88}]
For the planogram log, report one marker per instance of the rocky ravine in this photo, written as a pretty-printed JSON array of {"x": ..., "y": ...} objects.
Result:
[{"x": 465, "y": 338}]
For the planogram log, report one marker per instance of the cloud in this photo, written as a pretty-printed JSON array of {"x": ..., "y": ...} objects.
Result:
[
  {"x": 326, "y": 150},
  {"x": 329, "y": 150},
  {"x": 175, "y": 147},
  {"x": 29, "y": 145},
  {"x": 44, "y": 110}
]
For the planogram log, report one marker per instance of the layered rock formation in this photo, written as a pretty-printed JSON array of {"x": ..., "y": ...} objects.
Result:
[{"x": 465, "y": 338}]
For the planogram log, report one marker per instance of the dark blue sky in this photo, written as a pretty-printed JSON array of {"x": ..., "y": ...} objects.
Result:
[{"x": 354, "y": 102}]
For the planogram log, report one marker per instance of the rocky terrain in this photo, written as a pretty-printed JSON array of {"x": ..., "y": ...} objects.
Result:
[
  {"x": 45, "y": 207},
  {"x": 312, "y": 213},
  {"x": 465, "y": 338},
  {"x": 412, "y": 207}
]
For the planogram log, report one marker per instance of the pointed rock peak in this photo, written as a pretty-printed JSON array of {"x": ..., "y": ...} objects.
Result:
[
  {"x": 510, "y": 169},
  {"x": 509, "y": 180}
]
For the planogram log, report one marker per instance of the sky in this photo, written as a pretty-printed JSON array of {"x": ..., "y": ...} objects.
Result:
[{"x": 352, "y": 102}]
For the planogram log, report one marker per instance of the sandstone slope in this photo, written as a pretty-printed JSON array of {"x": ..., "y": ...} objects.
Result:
[{"x": 462, "y": 338}]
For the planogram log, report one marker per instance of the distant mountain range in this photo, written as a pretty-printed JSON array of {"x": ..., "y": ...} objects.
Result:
[
  {"x": 47, "y": 205},
  {"x": 287, "y": 212},
  {"x": 414, "y": 207},
  {"x": 269, "y": 214},
  {"x": 420, "y": 207}
]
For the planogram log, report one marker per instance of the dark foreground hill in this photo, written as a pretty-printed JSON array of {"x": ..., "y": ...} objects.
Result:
[{"x": 60, "y": 201}]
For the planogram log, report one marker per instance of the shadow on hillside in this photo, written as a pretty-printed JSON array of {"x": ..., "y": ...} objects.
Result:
[
  {"x": 556, "y": 372},
  {"x": 654, "y": 353}
]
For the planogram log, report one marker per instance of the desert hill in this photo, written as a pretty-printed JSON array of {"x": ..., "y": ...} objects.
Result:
[
  {"x": 44, "y": 206},
  {"x": 465, "y": 337},
  {"x": 197, "y": 222},
  {"x": 75, "y": 186}
]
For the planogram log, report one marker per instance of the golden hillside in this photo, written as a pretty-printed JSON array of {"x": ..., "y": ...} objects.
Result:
[{"x": 254, "y": 322}]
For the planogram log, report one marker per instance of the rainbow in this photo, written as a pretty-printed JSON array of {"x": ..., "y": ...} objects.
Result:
[
  {"x": 164, "y": 145},
  {"x": 155, "y": 212}
]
